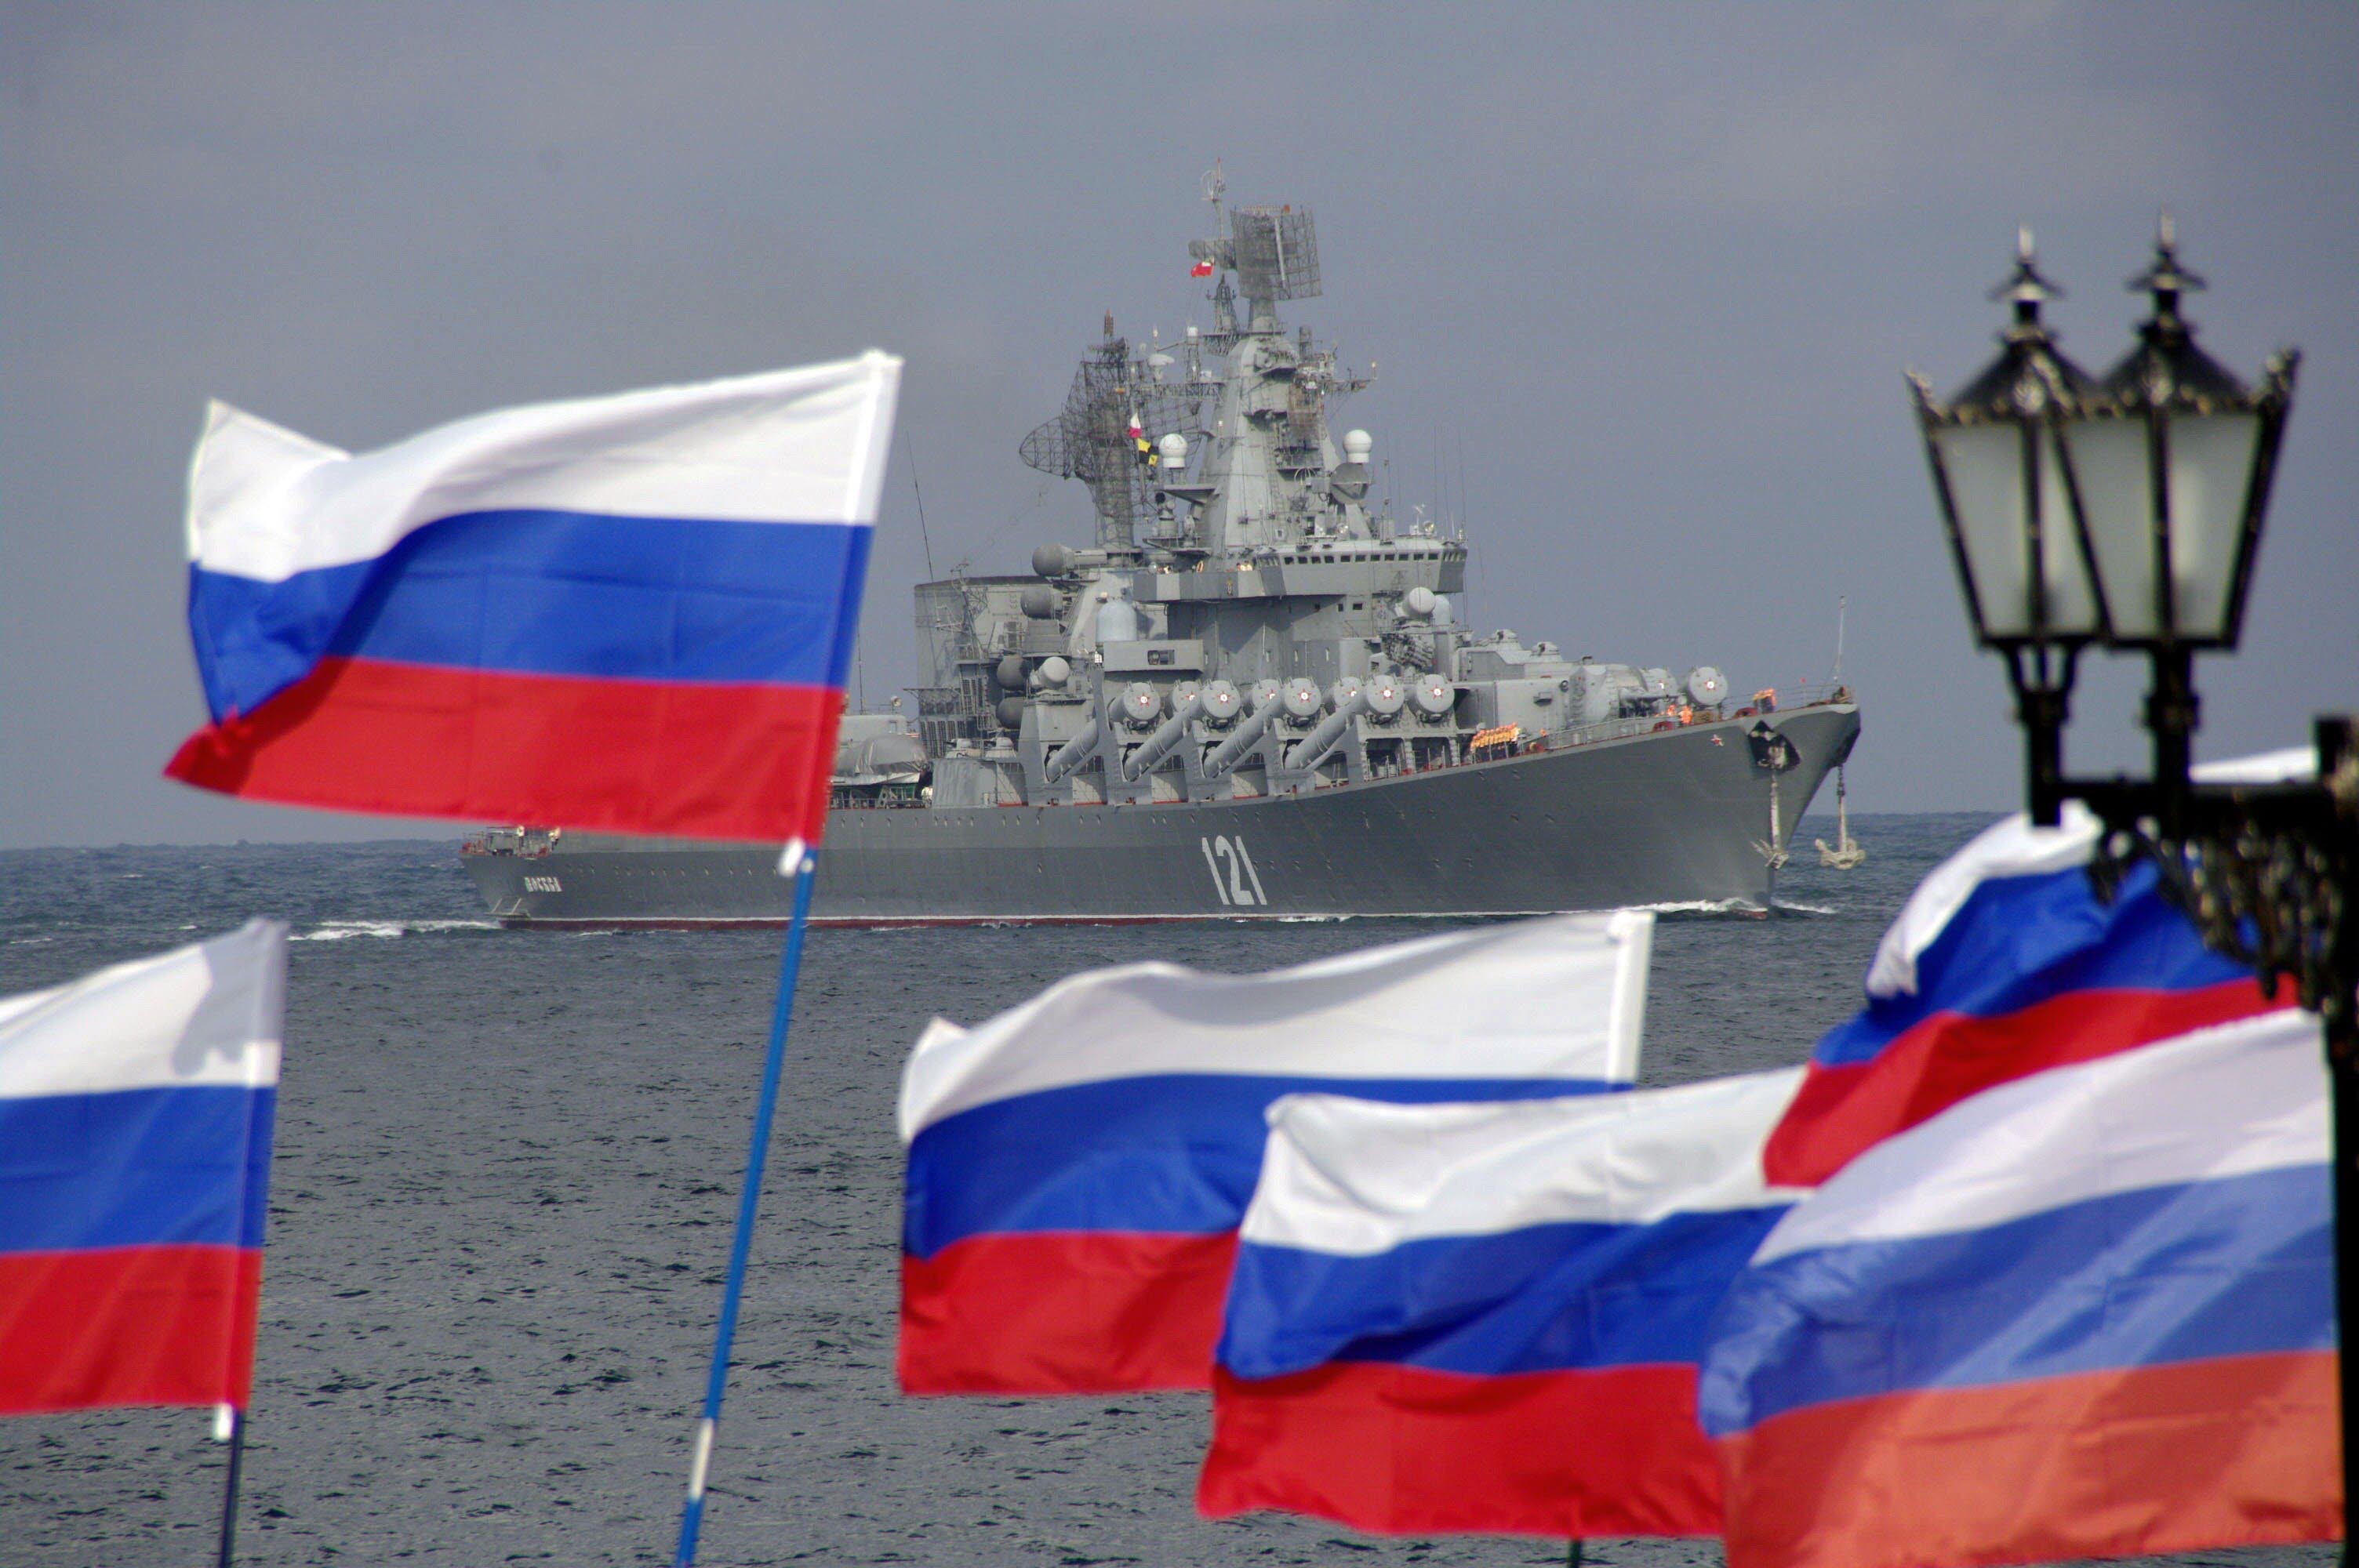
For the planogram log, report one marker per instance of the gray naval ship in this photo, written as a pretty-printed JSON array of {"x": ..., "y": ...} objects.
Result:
[{"x": 1251, "y": 697}]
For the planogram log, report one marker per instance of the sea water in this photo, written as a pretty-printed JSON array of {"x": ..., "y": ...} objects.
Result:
[{"x": 505, "y": 1175}]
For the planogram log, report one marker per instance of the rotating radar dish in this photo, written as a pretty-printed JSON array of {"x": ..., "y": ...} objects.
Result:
[{"x": 1276, "y": 252}]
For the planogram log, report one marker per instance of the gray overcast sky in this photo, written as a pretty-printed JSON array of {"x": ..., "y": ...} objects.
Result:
[{"x": 1649, "y": 273}]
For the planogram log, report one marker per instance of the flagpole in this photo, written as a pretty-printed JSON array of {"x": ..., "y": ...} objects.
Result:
[
  {"x": 229, "y": 1420},
  {"x": 229, "y": 1486},
  {"x": 799, "y": 863}
]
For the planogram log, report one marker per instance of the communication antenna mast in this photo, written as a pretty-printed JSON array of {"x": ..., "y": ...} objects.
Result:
[
  {"x": 924, "y": 536},
  {"x": 1461, "y": 432},
  {"x": 1215, "y": 182},
  {"x": 1440, "y": 482}
]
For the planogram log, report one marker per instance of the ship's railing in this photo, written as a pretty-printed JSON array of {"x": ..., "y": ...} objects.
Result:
[
  {"x": 866, "y": 799},
  {"x": 530, "y": 843},
  {"x": 1779, "y": 701},
  {"x": 1809, "y": 694},
  {"x": 1603, "y": 730}
]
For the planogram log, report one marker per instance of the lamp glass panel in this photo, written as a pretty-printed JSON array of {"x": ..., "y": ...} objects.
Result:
[
  {"x": 2109, "y": 466},
  {"x": 1984, "y": 467},
  {"x": 2210, "y": 471}
]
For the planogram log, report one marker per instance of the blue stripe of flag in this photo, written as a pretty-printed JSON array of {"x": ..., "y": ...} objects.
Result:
[
  {"x": 2020, "y": 941},
  {"x": 134, "y": 1167},
  {"x": 1547, "y": 1298},
  {"x": 2235, "y": 1266},
  {"x": 553, "y": 593}
]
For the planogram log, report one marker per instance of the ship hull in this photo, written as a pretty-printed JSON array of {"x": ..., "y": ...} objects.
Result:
[{"x": 1669, "y": 817}]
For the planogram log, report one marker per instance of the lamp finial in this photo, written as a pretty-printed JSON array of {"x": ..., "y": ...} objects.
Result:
[
  {"x": 2025, "y": 287},
  {"x": 2165, "y": 279}
]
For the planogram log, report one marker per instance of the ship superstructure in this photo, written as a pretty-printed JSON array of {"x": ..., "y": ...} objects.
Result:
[{"x": 1251, "y": 693}]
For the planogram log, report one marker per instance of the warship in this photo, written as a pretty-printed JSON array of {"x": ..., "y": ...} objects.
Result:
[{"x": 1250, "y": 695}]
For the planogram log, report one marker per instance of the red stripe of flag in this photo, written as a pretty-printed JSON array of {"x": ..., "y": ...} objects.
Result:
[
  {"x": 1407, "y": 1450},
  {"x": 1841, "y": 1110},
  {"x": 1063, "y": 1312},
  {"x": 2234, "y": 1451},
  {"x": 700, "y": 760},
  {"x": 127, "y": 1326}
]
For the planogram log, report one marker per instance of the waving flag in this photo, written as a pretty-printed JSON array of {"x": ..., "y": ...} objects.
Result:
[
  {"x": 2087, "y": 1314},
  {"x": 1488, "y": 1317},
  {"x": 135, "y": 1156},
  {"x": 629, "y": 612},
  {"x": 1078, "y": 1165},
  {"x": 2004, "y": 963}
]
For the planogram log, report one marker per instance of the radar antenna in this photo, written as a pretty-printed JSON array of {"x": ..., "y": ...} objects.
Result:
[
  {"x": 1117, "y": 409},
  {"x": 1275, "y": 253}
]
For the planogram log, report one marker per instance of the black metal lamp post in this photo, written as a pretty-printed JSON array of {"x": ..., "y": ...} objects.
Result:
[{"x": 2161, "y": 473}]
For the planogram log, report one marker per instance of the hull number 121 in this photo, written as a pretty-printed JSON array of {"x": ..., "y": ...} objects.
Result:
[{"x": 1234, "y": 877}]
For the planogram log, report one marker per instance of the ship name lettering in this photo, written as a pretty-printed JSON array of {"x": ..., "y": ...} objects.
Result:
[{"x": 542, "y": 884}]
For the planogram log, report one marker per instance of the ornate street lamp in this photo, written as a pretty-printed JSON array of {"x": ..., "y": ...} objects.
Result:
[
  {"x": 2000, "y": 477},
  {"x": 2172, "y": 457},
  {"x": 2164, "y": 469}
]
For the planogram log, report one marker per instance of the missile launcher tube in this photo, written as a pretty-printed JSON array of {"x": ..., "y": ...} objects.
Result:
[
  {"x": 1068, "y": 758},
  {"x": 1158, "y": 746},
  {"x": 1243, "y": 739},
  {"x": 1312, "y": 749}
]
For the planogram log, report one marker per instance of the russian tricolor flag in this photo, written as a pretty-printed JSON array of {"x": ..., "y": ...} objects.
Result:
[
  {"x": 134, "y": 1159},
  {"x": 1077, "y": 1166},
  {"x": 2004, "y": 963},
  {"x": 1489, "y": 1317},
  {"x": 2086, "y": 1313},
  {"x": 631, "y": 612}
]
